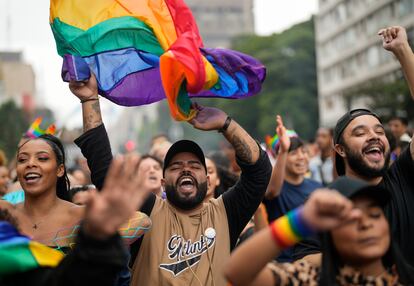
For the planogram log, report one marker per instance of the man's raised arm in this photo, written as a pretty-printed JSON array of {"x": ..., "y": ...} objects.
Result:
[
  {"x": 394, "y": 39},
  {"x": 87, "y": 92},
  {"x": 94, "y": 142},
  {"x": 243, "y": 199}
]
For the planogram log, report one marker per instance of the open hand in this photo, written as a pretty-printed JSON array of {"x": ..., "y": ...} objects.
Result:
[
  {"x": 119, "y": 199},
  {"x": 85, "y": 90},
  {"x": 327, "y": 209},
  {"x": 208, "y": 118},
  {"x": 282, "y": 134},
  {"x": 393, "y": 38}
]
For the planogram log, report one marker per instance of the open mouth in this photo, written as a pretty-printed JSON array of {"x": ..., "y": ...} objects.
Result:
[
  {"x": 32, "y": 177},
  {"x": 186, "y": 183},
  {"x": 374, "y": 153}
]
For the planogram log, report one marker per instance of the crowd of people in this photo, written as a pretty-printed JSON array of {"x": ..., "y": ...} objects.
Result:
[{"x": 175, "y": 216}]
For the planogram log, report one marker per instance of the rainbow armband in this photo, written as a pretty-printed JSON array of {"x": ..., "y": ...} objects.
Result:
[{"x": 290, "y": 228}]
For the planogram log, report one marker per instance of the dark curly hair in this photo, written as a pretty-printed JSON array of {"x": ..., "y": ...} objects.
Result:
[{"x": 63, "y": 184}]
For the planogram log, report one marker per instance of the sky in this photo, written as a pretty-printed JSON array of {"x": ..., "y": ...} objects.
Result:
[
  {"x": 29, "y": 31},
  {"x": 277, "y": 15}
]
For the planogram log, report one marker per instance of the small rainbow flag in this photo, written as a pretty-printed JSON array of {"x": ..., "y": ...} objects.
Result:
[
  {"x": 273, "y": 143},
  {"x": 18, "y": 253},
  {"x": 35, "y": 130},
  {"x": 144, "y": 51}
]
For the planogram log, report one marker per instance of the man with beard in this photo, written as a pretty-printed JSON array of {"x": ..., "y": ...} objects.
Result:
[
  {"x": 363, "y": 152},
  {"x": 189, "y": 240}
]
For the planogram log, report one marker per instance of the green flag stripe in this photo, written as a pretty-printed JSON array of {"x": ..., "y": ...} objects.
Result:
[
  {"x": 17, "y": 258},
  {"x": 112, "y": 34}
]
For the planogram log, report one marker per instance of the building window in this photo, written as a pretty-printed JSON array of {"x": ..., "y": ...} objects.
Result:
[
  {"x": 373, "y": 56},
  {"x": 405, "y": 7}
]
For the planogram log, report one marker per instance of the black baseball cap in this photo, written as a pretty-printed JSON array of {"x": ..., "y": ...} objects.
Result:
[
  {"x": 340, "y": 126},
  {"x": 181, "y": 147},
  {"x": 351, "y": 188}
]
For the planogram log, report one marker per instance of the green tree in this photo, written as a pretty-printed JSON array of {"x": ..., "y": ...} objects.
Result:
[
  {"x": 387, "y": 98},
  {"x": 290, "y": 88},
  {"x": 12, "y": 125}
]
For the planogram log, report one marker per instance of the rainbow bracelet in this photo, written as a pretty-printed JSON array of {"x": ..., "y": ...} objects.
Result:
[{"x": 290, "y": 228}]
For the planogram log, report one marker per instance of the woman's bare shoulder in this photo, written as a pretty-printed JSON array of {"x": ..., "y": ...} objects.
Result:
[{"x": 73, "y": 210}]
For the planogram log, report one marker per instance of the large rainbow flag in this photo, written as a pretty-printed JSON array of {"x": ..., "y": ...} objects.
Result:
[
  {"x": 18, "y": 253},
  {"x": 143, "y": 51}
]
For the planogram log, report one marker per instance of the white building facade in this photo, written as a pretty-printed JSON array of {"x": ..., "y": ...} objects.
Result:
[{"x": 349, "y": 51}]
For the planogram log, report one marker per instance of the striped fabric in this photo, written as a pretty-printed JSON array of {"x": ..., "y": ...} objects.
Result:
[
  {"x": 143, "y": 51},
  {"x": 18, "y": 253}
]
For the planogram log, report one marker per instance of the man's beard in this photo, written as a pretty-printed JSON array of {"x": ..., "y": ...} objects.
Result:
[
  {"x": 357, "y": 164},
  {"x": 186, "y": 203}
]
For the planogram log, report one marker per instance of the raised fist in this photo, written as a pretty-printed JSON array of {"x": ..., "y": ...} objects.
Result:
[
  {"x": 327, "y": 209},
  {"x": 393, "y": 38}
]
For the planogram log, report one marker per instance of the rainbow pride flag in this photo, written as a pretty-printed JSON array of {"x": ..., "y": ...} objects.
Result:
[
  {"x": 143, "y": 51},
  {"x": 35, "y": 130},
  {"x": 18, "y": 253},
  {"x": 273, "y": 143}
]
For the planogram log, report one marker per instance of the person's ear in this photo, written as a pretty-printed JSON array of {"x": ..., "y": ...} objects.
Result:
[
  {"x": 60, "y": 171},
  {"x": 340, "y": 150},
  {"x": 163, "y": 184}
]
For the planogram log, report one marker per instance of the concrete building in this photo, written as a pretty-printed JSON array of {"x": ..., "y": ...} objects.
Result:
[
  {"x": 349, "y": 52},
  {"x": 219, "y": 21},
  {"x": 17, "y": 80}
]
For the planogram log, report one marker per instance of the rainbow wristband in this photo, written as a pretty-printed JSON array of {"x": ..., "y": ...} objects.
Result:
[{"x": 290, "y": 228}]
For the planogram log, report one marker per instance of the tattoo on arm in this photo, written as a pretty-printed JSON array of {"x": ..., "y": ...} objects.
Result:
[
  {"x": 96, "y": 107},
  {"x": 243, "y": 150},
  {"x": 92, "y": 116},
  {"x": 247, "y": 149}
]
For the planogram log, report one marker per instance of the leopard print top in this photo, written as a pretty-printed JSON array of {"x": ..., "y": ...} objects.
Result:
[{"x": 303, "y": 273}]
